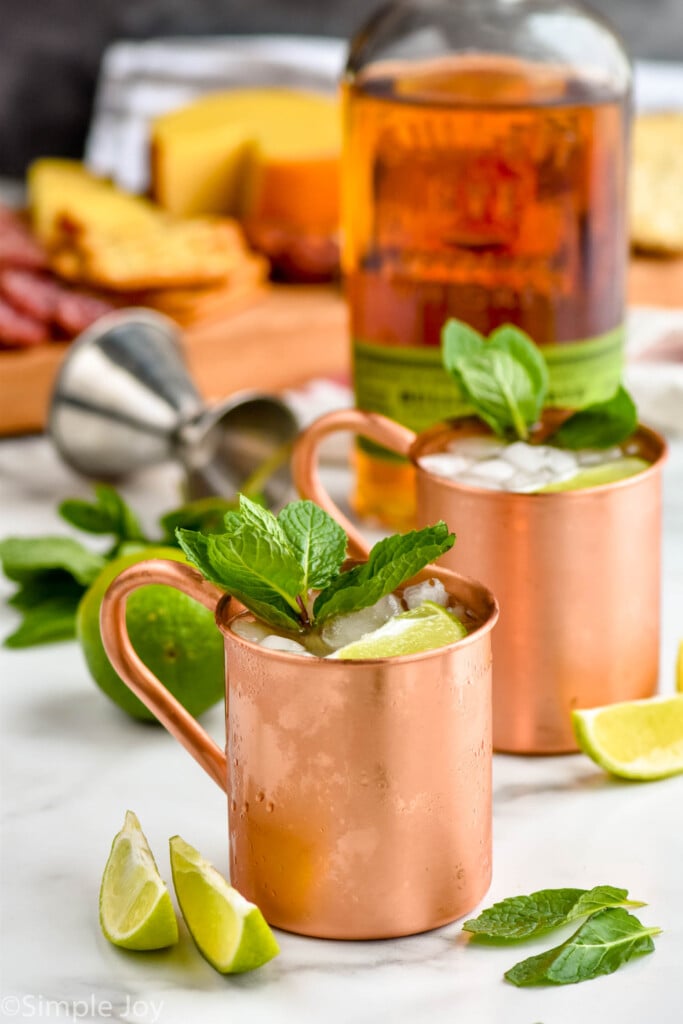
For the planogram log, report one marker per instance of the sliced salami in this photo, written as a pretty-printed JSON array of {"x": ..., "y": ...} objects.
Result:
[
  {"x": 75, "y": 311},
  {"x": 18, "y": 247},
  {"x": 33, "y": 294},
  {"x": 18, "y": 330}
]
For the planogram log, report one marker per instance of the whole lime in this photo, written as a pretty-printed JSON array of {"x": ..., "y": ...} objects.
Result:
[{"x": 174, "y": 636}]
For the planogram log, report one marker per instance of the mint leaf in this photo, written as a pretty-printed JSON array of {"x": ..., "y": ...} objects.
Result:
[
  {"x": 600, "y": 946},
  {"x": 53, "y": 619},
  {"x": 24, "y": 557},
  {"x": 317, "y": 540},
  {"x": 204, "y": 514},
  {"x": 505, "y": 378},
  {"x": 601, "y": 425},
  {"x": 390, "y": 563},
  {"x": 459, "y": 341},
  {"x": 252, "y": 566},
  {"x": 519, "y": 345},
  {"x": 501, "y": 392},
  {"x": 108, "y": 514},
  {"x": 520, "y": 917}
]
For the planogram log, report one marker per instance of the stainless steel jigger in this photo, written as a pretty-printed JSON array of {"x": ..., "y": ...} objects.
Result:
[{"x": 124, "y": 399}]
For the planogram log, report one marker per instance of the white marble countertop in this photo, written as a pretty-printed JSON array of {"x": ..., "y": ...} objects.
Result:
[{"x": 72, "y": 764}]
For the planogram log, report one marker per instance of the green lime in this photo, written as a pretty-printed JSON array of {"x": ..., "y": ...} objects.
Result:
[
  {"x": 593, "y": 476},
  {"x": 135, "y": 906},
  {"x": 637, "y": 739},
  {"x": 174, "y": 635},
  {"x": 421, "y": 629},
  {"x": 229, "y": 932}
]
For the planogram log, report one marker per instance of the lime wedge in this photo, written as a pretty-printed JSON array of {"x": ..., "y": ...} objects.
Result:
[
  {"x": 135, "y": 906},
  {"x": 593, "y": 476},
  {"x": 229, "y": 932},
  {"x": 637, "y": 739},
  {"x": 422, "y": 629}
]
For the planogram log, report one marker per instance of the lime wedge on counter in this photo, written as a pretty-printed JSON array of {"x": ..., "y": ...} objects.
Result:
[
  {"x": 229, "y": 932},
  {"x": 424, "y": 628},
  {"x": 593, "y": 476},
  {"x": 637, "y": 739},
  {"x": 135, "y": 906}
]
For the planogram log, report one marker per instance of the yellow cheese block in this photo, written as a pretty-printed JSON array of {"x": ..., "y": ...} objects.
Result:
[{"x": 264, "y": 154}]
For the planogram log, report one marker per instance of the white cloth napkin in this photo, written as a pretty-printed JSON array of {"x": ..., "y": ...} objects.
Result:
[{"x": 138, "y": 81}]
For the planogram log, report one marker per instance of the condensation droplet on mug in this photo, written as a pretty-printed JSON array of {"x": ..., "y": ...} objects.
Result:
[
  {"x": 233, "y": 805},
  {"x": 260, "y": 797},
  {"x": 270, "y": 807}
]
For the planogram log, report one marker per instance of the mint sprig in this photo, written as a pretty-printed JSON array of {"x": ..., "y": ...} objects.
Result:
[
  {"x": 505, "y": 380},
  {"x": 608, "y": 938},
  {"x": 272, "y": 563}
]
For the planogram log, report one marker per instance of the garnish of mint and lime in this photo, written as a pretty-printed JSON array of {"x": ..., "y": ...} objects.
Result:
[
  {"x": 608, "y": 938},
  {"x": 505, "y": 380},
  {"x": 287, "y": 569}
]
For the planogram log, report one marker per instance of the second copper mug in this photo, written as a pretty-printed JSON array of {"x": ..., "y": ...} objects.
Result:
[
  {"x": 576, "y": 573},
  {"x": 359, "y": 791}
]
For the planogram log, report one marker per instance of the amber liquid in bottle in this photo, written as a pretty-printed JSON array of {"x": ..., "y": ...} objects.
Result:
[{"x": 492, "y": 190}]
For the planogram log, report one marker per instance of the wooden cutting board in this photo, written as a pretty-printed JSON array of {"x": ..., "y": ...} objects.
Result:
[{"x": 283, "y": 337}]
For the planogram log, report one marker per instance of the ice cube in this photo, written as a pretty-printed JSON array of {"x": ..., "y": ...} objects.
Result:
[
  {"x": 250, "y": 629},
  {"x": 497, "y": 470},
  {"x": 561, "y": 464},
  {"x": 476, "y": 447},
  {"x": 528, "y": 457},
  {"x": 273, "y": 642},
  {"x": 444, "y": 464},
  {"x": 472, "y": 480},
  {"x": 525, "y": 483},
  {"x": 429, "y": 590},
  {"x": 344, "y": 629},
  {"x": 596, "y": 456}
]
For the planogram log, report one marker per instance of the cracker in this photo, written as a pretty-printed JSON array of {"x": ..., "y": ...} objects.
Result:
[{"x": 168, "y": 254}]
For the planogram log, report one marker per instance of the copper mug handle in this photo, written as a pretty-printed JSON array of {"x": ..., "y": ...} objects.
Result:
[
  {"x": 135, "y": 674},
  {"x": 305, "y": 459}
]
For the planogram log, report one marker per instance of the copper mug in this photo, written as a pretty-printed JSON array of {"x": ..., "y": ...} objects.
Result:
[
  {"x": 576, "y": 573},
  {"x": 359, "y": 792}
]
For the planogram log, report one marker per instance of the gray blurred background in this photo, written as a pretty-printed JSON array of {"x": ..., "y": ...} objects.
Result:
[{"x": 50, "y": 50}]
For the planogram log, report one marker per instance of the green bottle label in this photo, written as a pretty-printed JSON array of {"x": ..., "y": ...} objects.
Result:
[{"x": 410, "y": 385}]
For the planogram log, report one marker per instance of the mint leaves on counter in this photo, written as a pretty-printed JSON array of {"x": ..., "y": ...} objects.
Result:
[
  {"x": 607, "y": 939},
  {"x": 520, "y": 917},
  {"x": 53, "y": 573},
  {"x": 601, "y": 945},
  {"x": 270, "y": 563},
  {"x": 505, "y": 380}
]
